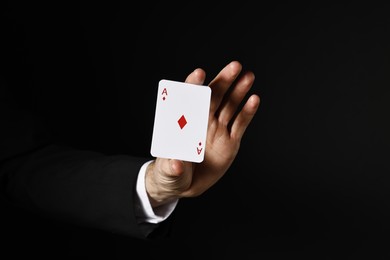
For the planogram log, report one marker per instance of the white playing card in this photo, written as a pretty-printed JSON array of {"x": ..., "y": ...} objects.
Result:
[{"x": 181, "y": 120}]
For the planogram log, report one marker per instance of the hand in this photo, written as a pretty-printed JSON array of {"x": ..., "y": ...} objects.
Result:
[{"x": 168, "y": 179}]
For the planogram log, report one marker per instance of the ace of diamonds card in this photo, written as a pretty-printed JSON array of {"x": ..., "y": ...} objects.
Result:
[{"x": 181, "y": 121}]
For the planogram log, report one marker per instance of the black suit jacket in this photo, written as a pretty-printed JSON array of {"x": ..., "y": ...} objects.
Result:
[
  {"x": 44, "y": 63},
  {"x": 53, "y": 180}
]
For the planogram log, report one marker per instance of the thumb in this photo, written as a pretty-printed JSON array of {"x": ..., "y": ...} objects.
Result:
[
  {"x": 171, "y": 167},
  {"x": 176, "y": 167}
]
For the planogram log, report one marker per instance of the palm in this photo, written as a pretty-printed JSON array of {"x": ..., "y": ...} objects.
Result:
[{"x": 226, "y": 127}]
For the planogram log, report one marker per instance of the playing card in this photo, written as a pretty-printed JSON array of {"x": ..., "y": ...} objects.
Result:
[{"x": 181, "y": 120}]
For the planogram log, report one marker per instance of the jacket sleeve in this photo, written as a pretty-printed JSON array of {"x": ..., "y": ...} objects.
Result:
[{"x": 83, "y": 187}]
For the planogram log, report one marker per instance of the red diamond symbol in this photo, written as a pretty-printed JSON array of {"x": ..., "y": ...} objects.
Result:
[{"x": 182, "y": 121}]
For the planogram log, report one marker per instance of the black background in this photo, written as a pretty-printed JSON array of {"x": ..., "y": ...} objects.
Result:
[{"x": 312, "y": 176}]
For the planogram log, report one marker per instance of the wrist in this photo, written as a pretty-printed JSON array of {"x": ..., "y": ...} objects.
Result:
[{"x": 156, "y": 195}]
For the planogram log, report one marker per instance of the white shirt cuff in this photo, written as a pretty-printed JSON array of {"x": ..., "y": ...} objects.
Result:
[{"x": 145, "y": 211}]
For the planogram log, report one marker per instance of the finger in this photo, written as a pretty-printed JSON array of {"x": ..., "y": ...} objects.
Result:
[
  {"x": 221, "y": 83},
  {"x": 229, "y": 106},
  {"x": 198, "y": 77},
  {"x": 245, "y": 116}
]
